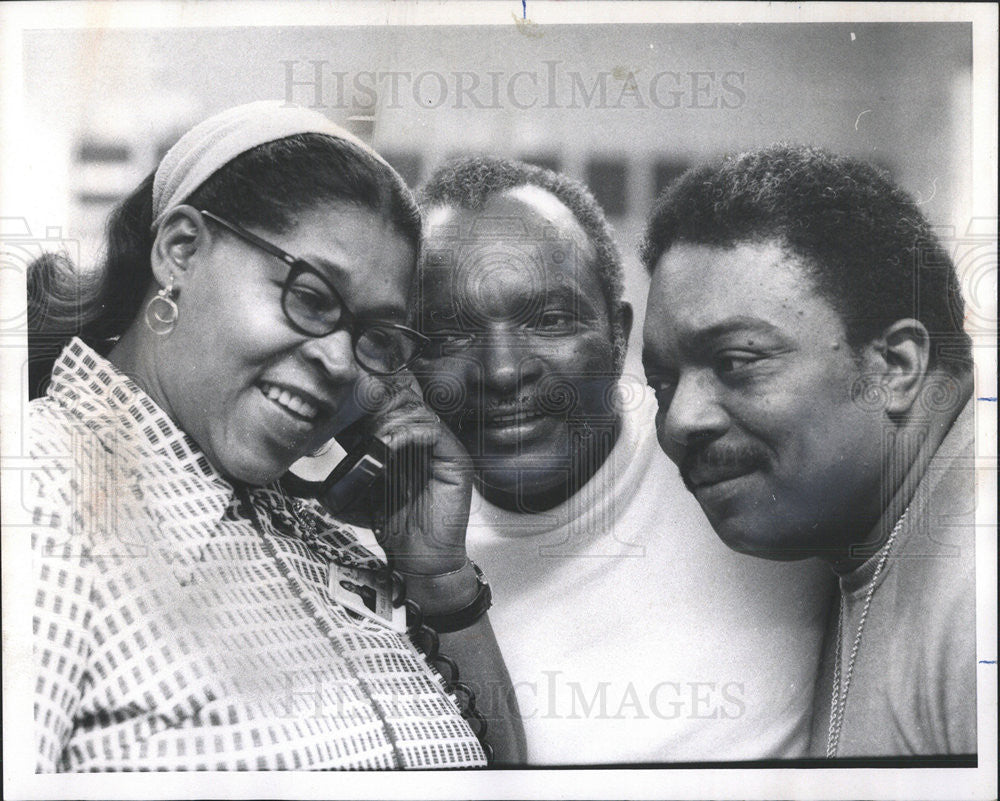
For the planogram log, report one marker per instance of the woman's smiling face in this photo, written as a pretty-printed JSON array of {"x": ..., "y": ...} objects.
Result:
[{"x": 254, "y": 394}]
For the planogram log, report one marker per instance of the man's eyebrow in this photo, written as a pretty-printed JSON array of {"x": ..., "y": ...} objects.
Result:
[
  {"x": 567, "y": 294},
  {"x": 739, "y": 324},
  {"x": 693, "y": 340}
]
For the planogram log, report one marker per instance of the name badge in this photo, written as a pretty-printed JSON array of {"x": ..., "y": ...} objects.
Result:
[{"x": 368, "y": 593}]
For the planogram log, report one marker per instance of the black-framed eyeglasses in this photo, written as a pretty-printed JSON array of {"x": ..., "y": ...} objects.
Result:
[{"x": 313, "y": 307}]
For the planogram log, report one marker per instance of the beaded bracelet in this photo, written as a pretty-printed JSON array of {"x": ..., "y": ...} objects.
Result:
[{"x": 423, "y": 632}]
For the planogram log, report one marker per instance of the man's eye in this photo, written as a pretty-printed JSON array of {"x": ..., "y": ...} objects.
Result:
[
  {"x": 663, "y": 387},
  {"x": 556, "y": 321},
  {"x": 732, "y": 362},
  {"x": 449, "y": 343},
  {"x": 441, "y": 317}
]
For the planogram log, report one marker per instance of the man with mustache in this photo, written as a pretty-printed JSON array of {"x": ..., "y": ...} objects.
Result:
[
  {"x": 631, "y": 634},
  {"x": 804, "y": 338}
]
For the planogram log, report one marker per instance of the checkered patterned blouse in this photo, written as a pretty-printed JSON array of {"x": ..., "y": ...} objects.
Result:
[{"x": 184, "y": 624}]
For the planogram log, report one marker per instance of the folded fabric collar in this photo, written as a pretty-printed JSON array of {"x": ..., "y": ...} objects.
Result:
[{"x": 215, "y": 142}]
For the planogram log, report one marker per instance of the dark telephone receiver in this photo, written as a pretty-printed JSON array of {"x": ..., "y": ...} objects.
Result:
[
  {"x": 355, "y": 482},
  {"x": 357, "y": 473}
]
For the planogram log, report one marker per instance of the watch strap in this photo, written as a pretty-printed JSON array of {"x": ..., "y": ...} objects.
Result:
[{"x": 468, "y": 614}]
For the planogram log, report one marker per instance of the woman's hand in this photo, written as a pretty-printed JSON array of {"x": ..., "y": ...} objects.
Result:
[
  {"x": 427, "y": 497},
  {"x": 428, "y": 487}
]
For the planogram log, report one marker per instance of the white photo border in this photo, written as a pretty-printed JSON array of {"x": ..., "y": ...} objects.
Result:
[{"x": 19, "y": 778}]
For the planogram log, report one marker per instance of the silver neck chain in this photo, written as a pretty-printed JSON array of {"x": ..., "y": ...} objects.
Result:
[{"x": 838, "y": 698}]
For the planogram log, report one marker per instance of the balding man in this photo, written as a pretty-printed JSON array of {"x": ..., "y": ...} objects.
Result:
[{"x": 630, "y": 632}]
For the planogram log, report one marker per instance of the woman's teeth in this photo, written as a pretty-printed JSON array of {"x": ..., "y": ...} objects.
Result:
[{"x": 291, "y": 401}]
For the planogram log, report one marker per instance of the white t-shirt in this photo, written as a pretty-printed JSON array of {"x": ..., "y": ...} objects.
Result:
[{"x": 633, "y": 634}]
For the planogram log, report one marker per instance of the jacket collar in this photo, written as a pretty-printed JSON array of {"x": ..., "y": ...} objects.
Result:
[{"x": 112, "y": 404}]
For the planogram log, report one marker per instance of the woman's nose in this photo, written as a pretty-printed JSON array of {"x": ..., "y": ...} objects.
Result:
[{"x": 334, "y": 354}]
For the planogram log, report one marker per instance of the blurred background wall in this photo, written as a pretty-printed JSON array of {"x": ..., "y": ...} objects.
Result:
[{"x": 624, "y": 108}]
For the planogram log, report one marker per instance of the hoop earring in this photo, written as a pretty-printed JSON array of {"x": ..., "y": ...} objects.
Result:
[{"x": 162, "y": 311}]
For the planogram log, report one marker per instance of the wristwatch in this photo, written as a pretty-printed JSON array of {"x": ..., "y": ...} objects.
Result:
[{"x": 468, "y": 614}]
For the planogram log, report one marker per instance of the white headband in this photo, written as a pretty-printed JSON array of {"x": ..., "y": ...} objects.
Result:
[{"x": 215, "y": 142}]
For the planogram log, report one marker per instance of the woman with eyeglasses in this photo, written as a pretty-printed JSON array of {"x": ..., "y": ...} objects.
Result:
[{"x": 252, "y": 303}]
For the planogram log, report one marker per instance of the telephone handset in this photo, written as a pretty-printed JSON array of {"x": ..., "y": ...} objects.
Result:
[
  {"x": 357, "y": 480},
  {"x": 357, "y": 474}
]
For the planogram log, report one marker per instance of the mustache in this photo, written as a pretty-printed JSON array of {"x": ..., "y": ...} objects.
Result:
[
  {"x": 472, "y": 416},
  {"x": 475, "y": 407},
  {"x": 715, "y": 456},
  {"x": 476, "y": 414}
]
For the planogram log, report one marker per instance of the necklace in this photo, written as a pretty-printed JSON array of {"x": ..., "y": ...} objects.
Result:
[{"x": 838, "y": 698}]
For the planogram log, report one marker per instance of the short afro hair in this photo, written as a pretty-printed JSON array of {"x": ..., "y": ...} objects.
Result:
[
  {"x": 470, "y": 182},
  {"x": 871, "y": 252}
]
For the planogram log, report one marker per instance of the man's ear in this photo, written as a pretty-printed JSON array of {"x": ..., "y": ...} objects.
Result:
[
  {"x": 621, "y": 327},
  {"x": 623, "y": 319},
  {"x": 178, "y": 238},
  {"x": 902, "y": 355}
]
